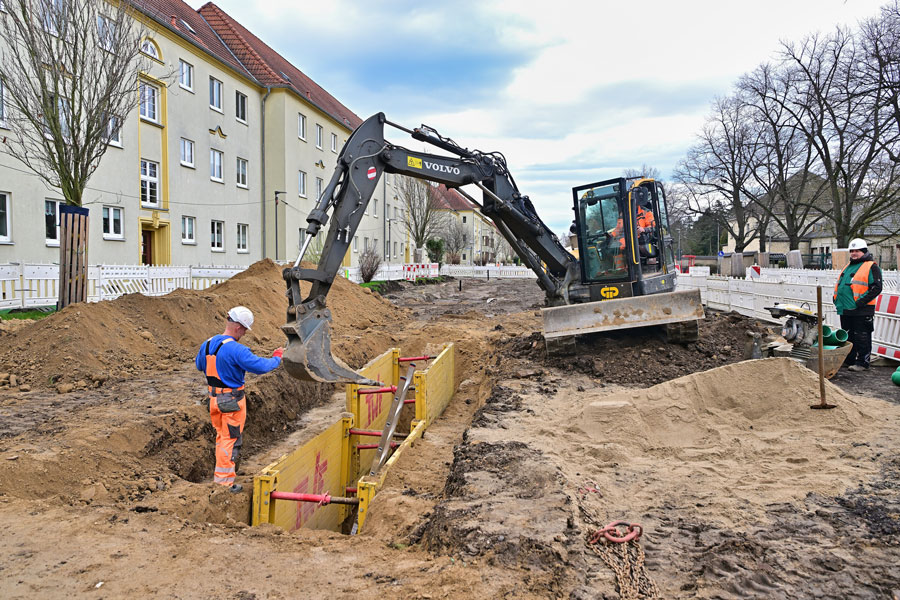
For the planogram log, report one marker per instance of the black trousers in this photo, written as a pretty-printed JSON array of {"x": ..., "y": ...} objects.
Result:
[{"x": 859, "y": 333}]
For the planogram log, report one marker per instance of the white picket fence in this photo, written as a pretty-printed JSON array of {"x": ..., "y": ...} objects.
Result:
[
  {"x": 410, "y": 272},
  {"x": 24, "y": 285},
  {"x": 751, "y": 296}
]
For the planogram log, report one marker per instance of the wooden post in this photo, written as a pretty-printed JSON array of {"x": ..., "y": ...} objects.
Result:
[{"x": 73, "y": 234}]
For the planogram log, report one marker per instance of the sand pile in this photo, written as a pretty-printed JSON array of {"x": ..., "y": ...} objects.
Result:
[{"x": 87, "y": 343}]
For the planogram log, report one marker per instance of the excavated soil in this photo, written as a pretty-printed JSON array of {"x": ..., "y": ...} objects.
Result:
[{"x": 106, "y": 457}]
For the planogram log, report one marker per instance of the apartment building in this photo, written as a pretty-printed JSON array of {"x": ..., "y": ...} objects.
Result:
[
  {"x": 481, "y": 235},
  {"x": 228, "y": 151}
]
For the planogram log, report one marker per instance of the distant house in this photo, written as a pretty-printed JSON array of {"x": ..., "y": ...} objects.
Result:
[{"x": 482, "y": 237}]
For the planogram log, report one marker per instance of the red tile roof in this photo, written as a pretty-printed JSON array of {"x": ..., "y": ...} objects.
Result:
[
  {"x": 272, "y": 69},
  {"x": 448, "y": 199},
  {"x": 174, "y": 14}
]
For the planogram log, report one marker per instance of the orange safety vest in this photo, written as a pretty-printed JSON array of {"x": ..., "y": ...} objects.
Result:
[
  {"x": 859, "y": 285},
  {"x": 645, "y": 218},
  {"x": 216, "y": 385}
]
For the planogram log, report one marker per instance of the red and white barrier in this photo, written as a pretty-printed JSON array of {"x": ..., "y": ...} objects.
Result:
[{"x": 886, "y": 337}]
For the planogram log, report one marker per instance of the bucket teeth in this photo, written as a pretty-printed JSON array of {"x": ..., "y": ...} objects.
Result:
[{"x": 308, "y": 353}]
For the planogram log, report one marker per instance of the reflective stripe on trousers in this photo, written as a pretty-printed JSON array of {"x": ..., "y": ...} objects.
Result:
[{"x": 229, "y": 428}]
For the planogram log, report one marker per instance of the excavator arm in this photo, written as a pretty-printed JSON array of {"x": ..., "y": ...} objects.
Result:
[{"x": 365, "y": 157}]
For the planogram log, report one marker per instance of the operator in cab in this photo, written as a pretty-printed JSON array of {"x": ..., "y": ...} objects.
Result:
[{"x": 855, "y": 294}]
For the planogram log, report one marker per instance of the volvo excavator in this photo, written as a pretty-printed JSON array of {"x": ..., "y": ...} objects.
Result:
[{"x": 624, "y": 276}]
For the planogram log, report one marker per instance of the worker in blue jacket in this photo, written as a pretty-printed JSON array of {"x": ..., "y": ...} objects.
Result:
[
  {"x": 855, "y": 294},
  {"x": 225, "y": 361}
]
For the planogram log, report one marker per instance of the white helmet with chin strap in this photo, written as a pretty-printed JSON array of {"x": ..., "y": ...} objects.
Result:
[
  {"x": 242, "y": 316},
  {"x": 858, "y": 244}
]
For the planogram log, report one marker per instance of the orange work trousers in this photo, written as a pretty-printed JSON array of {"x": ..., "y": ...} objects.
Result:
[{"x": 229, "y": 428}]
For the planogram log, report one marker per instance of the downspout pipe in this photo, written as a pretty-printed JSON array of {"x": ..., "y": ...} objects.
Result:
[{"x": 263, "y": 161}]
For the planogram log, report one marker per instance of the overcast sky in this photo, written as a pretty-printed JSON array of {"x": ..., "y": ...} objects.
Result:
[{"x": 569, "y": 92}]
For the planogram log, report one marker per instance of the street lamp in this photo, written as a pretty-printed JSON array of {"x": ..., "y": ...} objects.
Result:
[{"x": 276, "y": 224}]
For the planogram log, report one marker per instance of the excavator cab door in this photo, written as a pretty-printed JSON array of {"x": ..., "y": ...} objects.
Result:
[{"x": 604, "y": 226}]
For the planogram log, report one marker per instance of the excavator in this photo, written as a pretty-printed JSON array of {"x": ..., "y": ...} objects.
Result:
[{"x": 625, "y": 276}]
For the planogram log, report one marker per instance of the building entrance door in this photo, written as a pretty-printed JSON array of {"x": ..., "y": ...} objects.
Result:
[{"x": 146, "y": 247}]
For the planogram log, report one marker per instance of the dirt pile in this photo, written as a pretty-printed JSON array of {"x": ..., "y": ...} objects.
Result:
[
  {"x": 86, "y": 344},
  {"x": 643, "y": 356}
]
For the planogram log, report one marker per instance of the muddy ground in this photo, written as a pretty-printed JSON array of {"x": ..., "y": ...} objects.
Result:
[{"x": 742, "y": 491}]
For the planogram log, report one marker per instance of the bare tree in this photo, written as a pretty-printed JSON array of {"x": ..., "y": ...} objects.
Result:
[
  {"x": 645, "y": 171},
  {"x": 843, "y": 118},
  {"x": 422, "y": 215},
  {"x": 783, "y": 185},
  {"x": 880, "y": 41},
  {"x": 716, "y": 171},
  {"x": 454, "y": 236},
  {"x": 369, "y": 263},
  {"x": 70, "y": 70}
]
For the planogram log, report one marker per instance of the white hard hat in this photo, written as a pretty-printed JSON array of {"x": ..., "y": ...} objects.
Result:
[
  {"x": 857, "y": 244},
  {"x": 242, "y": 315}
]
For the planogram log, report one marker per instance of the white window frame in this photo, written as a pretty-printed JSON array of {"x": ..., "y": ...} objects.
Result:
[
  {"x": 215, "y": 94},
  {"x": 240, "y": 101},
  {"x": 242, "y": 168},
  {"x": 186, "y": 151},
  {"x": 2, "y": 104},
  {"x": 150, "y": 178},
  {"x": 356, "y": 243},
  {"x": 243, "y": 233},
  {"x": 320, "y": 136},
  {"x": 114, "y": 131},
  {"x": 111, "y": 210},
  {"x": 52, "y": 241},
  {"x": 188, "y": 230},
  {"x": 216, "y": 168},
  {"x": 186, "y": 72},
  {"x": 365, "y": 244},
  {"x": 149, "y": 47},
  {"x": 334, "y": 143},
  {"x": 301, "y": 126},
  {"x": 301, "y": 184},
  {"x": 7, "y": 220},
  {"x": 320, "y": 184},
  {"x": 106, "y": 33},
  {"x": 49, "y": 24},
  {"x": 149, "y": 92},
  {"x": 395, "y": 249},
  {"x": 217, "y": 236},
  {"x": 375, "y": 208}
]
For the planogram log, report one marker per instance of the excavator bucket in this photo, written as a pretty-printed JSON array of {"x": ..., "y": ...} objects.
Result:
[
  {"x": 670, "y": 308},
  {"x": 307, "y": 355}
]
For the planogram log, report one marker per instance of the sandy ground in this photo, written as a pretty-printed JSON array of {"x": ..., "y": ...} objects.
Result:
[{"x": 743, "y": 492}]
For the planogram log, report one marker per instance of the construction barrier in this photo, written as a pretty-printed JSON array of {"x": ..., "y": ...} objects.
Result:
[
  {"x": 337, "y": 461},
  {"x": 752, "y": 295}
]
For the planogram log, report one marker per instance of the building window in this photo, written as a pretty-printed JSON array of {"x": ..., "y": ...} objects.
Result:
[
  {"x": 395, "y": 249},
  {"x": 106, "y": 33},
  {"x": 241, "y": 173},
  {"x": 320, "y": 133},
  {"x": 5, "y": 227},
  {"x": 240, "y": 107},
  {"x": 215, "y": 165},
  {"x": 215, "y": 94},
  {"x": 150, "y": 48},
  {"x": 375, "y": 208},
  {"x": 217, "y": 236},
  {"x": 334, "y": 142},
  {"x": 114, "y": 131},
  {"x": 187, "y": 230},
  {"x": 64, "y": 110},
  {"x": 52, "y": 15},
  {"x": 112, "y": 223},
  {"x": 187, "y": 153},
  {"x": 464, "y": 219},
  {"x": 242, "y": 230},
  {"x": 51, "y": 221},
  {"x": 365, "y": 244},
  {"x": 149, "y": 183},
  {"x": 301, "y": 184},
  {"x": 186, "y": 79},
  {"x": 301, "y": 126},
  {"x": 319, "y": 183},
  {"x": 149, "y": 98},
  {"x": 2, "y": 104},
  {"x": 356, "y": 243}
]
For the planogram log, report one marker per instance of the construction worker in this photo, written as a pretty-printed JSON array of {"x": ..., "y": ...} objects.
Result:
[
  {"x": 225, "y": 362},
  {"x": 857, "y": 287}
]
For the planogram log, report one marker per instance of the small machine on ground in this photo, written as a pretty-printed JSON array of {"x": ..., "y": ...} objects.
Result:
[
  {"x": 625, "y": 278},
  {"x": 801, "y": 331}
]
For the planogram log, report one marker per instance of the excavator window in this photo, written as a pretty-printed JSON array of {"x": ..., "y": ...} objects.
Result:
[{"x": 602, "y": 233}]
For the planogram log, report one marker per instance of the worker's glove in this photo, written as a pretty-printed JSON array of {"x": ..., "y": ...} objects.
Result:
[{"x": 278, "y": 353}]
